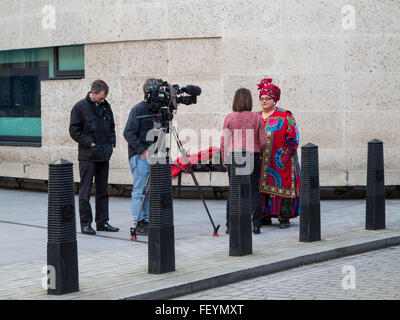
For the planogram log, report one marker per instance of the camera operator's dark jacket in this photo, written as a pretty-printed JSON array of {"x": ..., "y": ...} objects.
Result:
[
  {"x": 136, "y": 130},
  {"x": 88, "y": 126}
]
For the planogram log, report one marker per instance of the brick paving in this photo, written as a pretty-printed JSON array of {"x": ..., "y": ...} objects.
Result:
[
  {"x": 376, "y": 277},
  {"x": 112, "y": 267}
]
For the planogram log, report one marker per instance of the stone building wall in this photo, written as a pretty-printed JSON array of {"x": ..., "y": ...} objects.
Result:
[{"x": 339, "y": 72}]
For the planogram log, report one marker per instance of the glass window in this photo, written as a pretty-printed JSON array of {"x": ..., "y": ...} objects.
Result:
[
  {"x": 70, "y": 58},
  {"x": 69, "y": 62},
  {"x": 20, "y": 74}
]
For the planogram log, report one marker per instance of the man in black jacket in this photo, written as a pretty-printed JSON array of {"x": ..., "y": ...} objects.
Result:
[
  {"x": 135, "y": 134},
  {"x": 92, "y": 126}
]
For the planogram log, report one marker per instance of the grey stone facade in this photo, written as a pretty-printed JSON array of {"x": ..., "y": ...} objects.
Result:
[{"x": 339, "y": 77}]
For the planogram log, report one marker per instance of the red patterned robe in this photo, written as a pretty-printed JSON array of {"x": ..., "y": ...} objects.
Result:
[{"x": 280, "y": 171}]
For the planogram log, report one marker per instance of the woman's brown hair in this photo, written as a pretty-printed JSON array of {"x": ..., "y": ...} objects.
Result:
[{"x": 242, "y": 100}]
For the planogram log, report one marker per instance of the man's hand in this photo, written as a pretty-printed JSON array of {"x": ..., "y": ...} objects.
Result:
[
  {"x": 93, "y": 144},
  {"x": 144, "y": 155}
]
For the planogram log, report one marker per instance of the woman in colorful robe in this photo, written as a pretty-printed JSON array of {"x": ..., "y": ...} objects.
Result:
[{"x": 280, "y": 172}]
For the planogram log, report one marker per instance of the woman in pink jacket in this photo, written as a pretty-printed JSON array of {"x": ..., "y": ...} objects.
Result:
[{"x": 243, "y": 130}]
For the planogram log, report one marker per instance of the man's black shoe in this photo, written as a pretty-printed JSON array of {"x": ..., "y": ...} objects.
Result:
[
  {"x": 106, "y": 227},
  {"x": 256, "y": 230},
  {"x": 88, "y": 230},
  {"x": 143, "y": 228},
  {"x": 266, "y": 221}
]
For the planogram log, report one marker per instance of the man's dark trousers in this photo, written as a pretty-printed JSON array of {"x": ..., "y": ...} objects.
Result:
[{"x": 98, "y": 170}]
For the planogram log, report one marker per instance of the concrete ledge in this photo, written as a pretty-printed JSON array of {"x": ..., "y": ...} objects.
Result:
[
  {"x": 16, "y": 170},
  {"x": 191, "y": 192},
  {"x": 228, "y": 278}
]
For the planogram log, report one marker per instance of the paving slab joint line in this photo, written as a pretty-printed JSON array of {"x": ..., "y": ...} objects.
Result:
[{"x": 263, "y": 270}]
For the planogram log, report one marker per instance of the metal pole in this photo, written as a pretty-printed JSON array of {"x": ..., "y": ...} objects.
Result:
[
  {"x": 161, "y": 246},
  {"x": 240, "y": 237},
  {"x": 375, "y": 204},
  {"x": 310, "y": 212},
  {"x": 62, "y": 252}
]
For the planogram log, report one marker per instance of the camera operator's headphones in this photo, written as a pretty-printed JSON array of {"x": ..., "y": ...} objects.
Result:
[{"x": 154, "y": 85}]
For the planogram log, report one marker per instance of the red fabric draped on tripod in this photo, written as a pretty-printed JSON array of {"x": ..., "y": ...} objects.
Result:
[{"x": 194, "y": 158}]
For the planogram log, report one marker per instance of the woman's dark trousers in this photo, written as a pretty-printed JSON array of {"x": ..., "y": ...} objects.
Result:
[{"x": 256, "y": 203}]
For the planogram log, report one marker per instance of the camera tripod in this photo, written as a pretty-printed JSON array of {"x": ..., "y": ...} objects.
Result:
[{"x": 159, "y": 146}]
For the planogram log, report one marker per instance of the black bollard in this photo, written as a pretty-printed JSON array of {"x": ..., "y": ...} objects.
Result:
[
  {"x": 62, "y": 252},
  {"x": 375, "y": 204},
  {"x": 310, "y": 211},
  {"x": 161, "y": 252},
  {"x": 240, "y": 237}
]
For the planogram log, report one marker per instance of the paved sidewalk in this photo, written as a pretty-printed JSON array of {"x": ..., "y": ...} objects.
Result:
[
  {"x": 113, "y": 267},
  {"x": 373, "y": 275}
]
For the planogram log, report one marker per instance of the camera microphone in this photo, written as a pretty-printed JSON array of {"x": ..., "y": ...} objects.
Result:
[{"x": 192, "y": 90}]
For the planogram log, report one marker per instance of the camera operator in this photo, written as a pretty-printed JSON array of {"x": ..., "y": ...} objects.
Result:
[{"x": 135, "y": 134}]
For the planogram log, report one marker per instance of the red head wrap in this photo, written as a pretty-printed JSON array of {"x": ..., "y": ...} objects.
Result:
[{"x": 266, "y": 87}]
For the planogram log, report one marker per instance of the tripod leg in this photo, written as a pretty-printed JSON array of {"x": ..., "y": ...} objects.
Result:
[
  {"x": 189, "y": 168},
  {"x": 145, "y": 191},
  {"x": 133, "y": 233}
]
